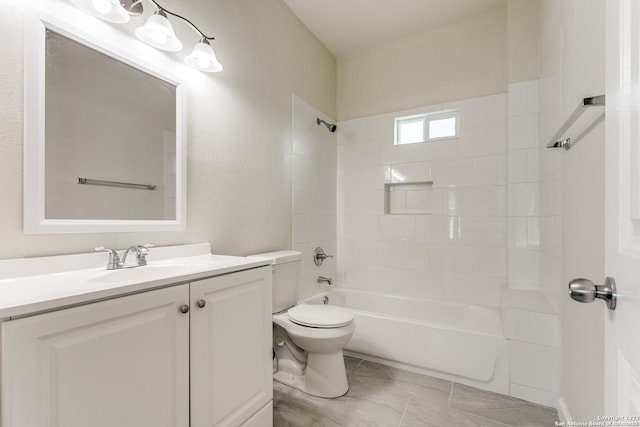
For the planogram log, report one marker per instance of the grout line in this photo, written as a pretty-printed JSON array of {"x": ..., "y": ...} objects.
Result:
[
  {"x": 500, "y": 423},
  {"x": 406, "y": 406},
  {"x": 451, "y": 393}
]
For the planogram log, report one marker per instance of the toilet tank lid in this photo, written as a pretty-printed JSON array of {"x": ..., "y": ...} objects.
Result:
[{"x": 279, "y": 257}]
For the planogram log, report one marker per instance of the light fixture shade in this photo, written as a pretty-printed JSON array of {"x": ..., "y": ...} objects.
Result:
[
  {"x": 107, "y": 10},
  {"x": 158, "y": 32},
  {"x": 203, "y": 58}
]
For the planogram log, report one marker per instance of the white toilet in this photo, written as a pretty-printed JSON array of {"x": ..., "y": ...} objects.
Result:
[{"x": 307, "y": 338}]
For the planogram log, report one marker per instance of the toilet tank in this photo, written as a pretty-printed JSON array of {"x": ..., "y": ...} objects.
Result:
[{"x": 286, "y": 275}]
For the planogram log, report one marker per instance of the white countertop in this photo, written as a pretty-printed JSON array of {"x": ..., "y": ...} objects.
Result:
[{"x": 29, "y": 285}]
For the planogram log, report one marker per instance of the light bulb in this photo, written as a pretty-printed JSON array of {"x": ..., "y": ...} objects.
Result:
[
  {"x": 203, "y": 58},
  {"x": 158, "y": 32},
  {"x": 203, "y": 62},
  {"x": 159, "y": 38},
  {"x": 107, "y": 10},
  {"x": 102, "y": 6}
]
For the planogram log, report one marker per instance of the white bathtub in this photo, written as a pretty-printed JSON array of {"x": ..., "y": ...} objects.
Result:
[{"x": 463, "y": 343}]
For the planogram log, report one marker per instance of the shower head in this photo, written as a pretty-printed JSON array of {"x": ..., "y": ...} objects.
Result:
[{"x": 332, "y": 128}]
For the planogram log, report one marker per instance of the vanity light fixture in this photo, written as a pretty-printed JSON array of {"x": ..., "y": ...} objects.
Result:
[
  {"x": 203, "y": 57},
  {"x": 157, "y": 31},
  {"x": 108, "y": 10}
]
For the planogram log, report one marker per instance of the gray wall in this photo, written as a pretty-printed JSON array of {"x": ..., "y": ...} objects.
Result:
[{"x": 239, "y": 124}]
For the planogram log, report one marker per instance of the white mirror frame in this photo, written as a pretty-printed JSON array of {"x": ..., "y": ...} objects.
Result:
[{"x": 36, "y": 24}]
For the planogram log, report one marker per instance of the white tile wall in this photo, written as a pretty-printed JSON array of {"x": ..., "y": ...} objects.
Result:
[
  {"x": 532, "y": 327},
  {"x": 531, "y": 323},
  {"x": 314, "y": 201},
  {"x": 489, "y": 261},
  {"x": 464, "y": 236},
  {"x": 482, "y": 141},
  {"x": 523, "y": 131},
  {"x": 533, "y": 165},
  {"x": 410, "y": 255},
  {"x": 477, "y": 201},
  {"x": 437, "y": 229},
  {"x": 452, "y": 259},
  {"x": 480, "y": 112},
  {"x": 380, "y": 127},
  {"x": 534, "y": 365},
  {"x": 437, "y": 150},
  {"x": 409, "y": 172},
  {"x": 422, "y": 284},
  {"x": 492, "y": 223},
  {"x": 353, "y": 131},
  {"x": 397, "y": 227},
  {"x": 490, "y": 170},
  {"x": 517, "y": 165},
  {"x": 482, "y": 230},
  {"x": 524, "y": 269},
  {"x": 523, "y": 98},
  {"x": 397, "y": 153},
  {"x": 420, "y": 202},
  {"x": 466, "y": 288},
  {"x": 523, "y": 199},
  {"x": 371, "y": 177}
]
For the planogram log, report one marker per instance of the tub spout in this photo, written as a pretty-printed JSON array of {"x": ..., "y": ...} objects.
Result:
[{"x": 322, "y": 279}]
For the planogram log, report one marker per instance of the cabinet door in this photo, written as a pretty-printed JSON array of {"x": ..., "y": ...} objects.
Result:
[
  {"x": 122, "y": 362},
  {"x": 230, "y": 347}
]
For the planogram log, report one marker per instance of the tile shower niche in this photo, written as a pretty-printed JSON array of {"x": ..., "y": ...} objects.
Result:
[{"x": 408, "y": 198}]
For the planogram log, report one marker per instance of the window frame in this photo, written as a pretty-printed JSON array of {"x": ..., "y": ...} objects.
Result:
[{"x": 426, "y": 119}]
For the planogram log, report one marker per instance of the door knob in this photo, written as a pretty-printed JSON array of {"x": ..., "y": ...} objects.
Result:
[{"x": 584, "y": 290}]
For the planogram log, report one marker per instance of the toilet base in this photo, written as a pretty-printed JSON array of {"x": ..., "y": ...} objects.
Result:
[{"x": 324, "y": 376}]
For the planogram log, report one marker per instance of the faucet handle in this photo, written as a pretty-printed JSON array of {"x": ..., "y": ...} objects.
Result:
[
  {"x": 143, "y": 251},
  {"x": 114, "y": 259},
  {"x": 319, "y": 256},
  {"x": 141, "y": 255}
]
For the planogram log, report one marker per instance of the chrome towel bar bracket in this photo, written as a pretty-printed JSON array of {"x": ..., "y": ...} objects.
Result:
[{"x": 579, "y": 123}]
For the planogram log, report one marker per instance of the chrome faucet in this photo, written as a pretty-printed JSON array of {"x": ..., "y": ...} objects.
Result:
[
  {"x": 327, "y": 280},
  {"x": 141, "y": 252},
  {"x": 114, "y": 259},
  {"x": 114, "y": 262}
]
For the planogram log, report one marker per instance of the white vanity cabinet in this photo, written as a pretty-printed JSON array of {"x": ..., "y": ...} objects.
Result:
[
  {"x": 195, "y": 354},
  {"x": 231, "y": 347}
]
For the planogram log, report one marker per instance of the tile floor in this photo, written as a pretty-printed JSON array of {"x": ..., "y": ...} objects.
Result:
[{"x": 383, "y": 396}]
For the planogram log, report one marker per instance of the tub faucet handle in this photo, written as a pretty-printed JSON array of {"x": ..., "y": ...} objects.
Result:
[
  {"x": 319, "y": 256},
  {"x": 327, "y": 280}
]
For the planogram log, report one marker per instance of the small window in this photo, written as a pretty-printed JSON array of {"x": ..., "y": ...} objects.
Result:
[{"x": 426, "y": 127}]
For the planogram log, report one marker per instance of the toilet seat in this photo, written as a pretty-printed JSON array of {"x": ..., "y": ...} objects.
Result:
[{"x": 320, "y": 316}]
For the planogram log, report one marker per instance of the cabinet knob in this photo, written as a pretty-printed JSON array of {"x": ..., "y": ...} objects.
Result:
[
  {"x": 201, "y": 303},
  {"x": 184, "y": 309}
]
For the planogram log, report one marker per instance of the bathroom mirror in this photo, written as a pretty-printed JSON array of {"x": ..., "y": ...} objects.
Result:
[{"x": 104, "y": 137}]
